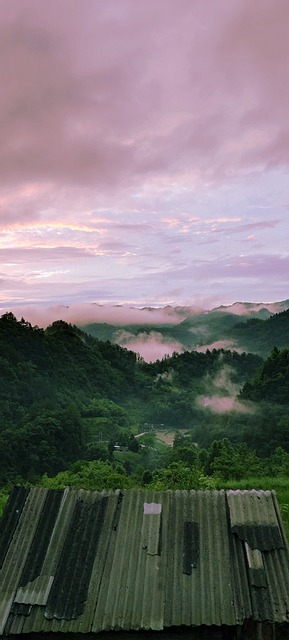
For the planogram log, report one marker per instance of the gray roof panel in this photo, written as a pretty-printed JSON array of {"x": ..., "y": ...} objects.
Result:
[{"x": 87, "y": 561}]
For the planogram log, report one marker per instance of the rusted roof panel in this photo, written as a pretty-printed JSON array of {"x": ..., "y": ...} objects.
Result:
[{"x": 83, "y": 561}]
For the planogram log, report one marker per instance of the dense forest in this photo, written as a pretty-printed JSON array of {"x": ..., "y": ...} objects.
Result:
[
  {"x": 261, "y": 336},
  {"x": 78, "y": 411}
]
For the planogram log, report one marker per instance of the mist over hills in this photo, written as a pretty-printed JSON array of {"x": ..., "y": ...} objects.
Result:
[
  {"x": 155, "y": 332},
  {"x": 242, "y": 326}
]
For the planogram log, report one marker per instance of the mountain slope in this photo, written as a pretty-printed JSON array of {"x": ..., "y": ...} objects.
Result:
[
  {"x": 54, "y": 383},
  {"x": 261, "y": 336}
]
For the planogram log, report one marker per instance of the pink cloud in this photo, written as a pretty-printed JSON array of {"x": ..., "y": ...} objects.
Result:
[
  {"x": 239, "y": 267},
  {"x": 39, "y": 254},
  {"x": 151, "y": 347},
  {"x": 221, "y": 395},
  {"x": 251, "y": 226},
  {"x": 223, "y": 404},
  {"x": 103, "y": 97},
  {"x": 149, "y": 125},
  {"x": 84, "y": 313}
]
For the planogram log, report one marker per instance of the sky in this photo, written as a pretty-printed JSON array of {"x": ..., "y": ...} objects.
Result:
[{"x": 144, "y": 152}]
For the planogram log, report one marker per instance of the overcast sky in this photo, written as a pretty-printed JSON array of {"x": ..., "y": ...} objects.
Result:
[{"x": 144, "y": 151}]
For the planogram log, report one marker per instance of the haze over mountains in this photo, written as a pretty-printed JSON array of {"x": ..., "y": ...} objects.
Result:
[
  {"x": 154, "y": 332},
  {"x": 240, "y": 327}
]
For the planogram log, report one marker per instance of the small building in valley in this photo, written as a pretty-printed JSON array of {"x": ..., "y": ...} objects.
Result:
[{"x": 209, "y": 562}]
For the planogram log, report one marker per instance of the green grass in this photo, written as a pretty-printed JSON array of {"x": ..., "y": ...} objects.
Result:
[
  {"x": 4, "y": 495},
  {"x": 151, "y": 440},
  {"x": 160, "y": 446}
]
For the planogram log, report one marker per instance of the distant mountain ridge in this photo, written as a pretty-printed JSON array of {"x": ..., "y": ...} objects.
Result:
[
  {"x": 242, "y": 326},
  {"x": 237, "y": 308},
  {"x": 251, "y": 308}
]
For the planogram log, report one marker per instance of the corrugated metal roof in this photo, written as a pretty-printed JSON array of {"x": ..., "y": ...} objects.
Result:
[
  {"x": 253, "y": 518},
  {"x": 83, "y": 561}
]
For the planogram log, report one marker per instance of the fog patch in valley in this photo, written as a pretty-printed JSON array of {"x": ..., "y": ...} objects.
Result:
[
  {"x": 150, "y": 346},
  {"x": 223, "y": 404},
  {"x": 221, "y": 394},
  {"x": 219, "y": 344}
]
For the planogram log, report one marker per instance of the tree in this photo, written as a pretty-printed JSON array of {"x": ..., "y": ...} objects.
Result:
[
  {"x": 95, "y": 475},
  {"x": 228, "y": 461},
  {"x": 279, "y": 462}
]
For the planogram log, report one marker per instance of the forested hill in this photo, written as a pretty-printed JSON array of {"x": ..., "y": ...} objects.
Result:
[
  {"x": 272, "y": 381},
  {"x": 47, "y": 379},
  {"x": 56, "y": 383},
  {"x": 261, "y": 336},
  {"x": 61, "y": 391},
  {"x": 60, "y": 363}
]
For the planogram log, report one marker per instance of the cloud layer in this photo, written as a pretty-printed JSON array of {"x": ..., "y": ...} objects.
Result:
[{"x": 144, "y": 151}]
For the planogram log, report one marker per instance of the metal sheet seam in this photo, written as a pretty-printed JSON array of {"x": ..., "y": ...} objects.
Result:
[{"x": 280, "y": 521}]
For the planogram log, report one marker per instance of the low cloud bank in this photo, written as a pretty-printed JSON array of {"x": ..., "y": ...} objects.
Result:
[
  {"x": 123, "y": 314},
  {"x": 150, "y": 346},
  {"x": 81, "y": 314}
]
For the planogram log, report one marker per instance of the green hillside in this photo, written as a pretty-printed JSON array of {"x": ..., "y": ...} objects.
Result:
[
  {"x": 62, "y": 392},
  {"x": 261, "y": 336},
  {"x": 73, "y": 404}
]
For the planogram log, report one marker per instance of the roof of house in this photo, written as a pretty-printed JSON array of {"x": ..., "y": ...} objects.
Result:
[{"x": 87, "y": 561}]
